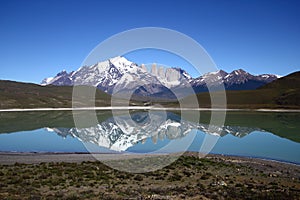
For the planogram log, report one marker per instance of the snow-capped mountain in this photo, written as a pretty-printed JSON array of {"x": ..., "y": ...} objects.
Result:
[
  {"x": 114, "y": 76},
  {"x": 102, "y": 75},
  {"x": 119, "y": 133},
  {"x": 120, "y": 76},
  {"x": 236, "y": 80}
]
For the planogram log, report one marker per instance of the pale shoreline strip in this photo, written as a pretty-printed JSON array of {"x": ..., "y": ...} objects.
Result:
[
  {"x": 144, "y": 108},
  {"x": 9, "y": 158}
]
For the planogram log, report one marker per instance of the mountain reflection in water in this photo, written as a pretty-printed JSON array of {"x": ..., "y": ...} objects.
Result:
[
  {"x": 259, "y": 134},
  {"x": 121, "y": 132}
]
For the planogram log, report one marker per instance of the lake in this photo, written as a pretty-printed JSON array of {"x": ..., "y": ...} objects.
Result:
[{"x": 269, "y": 135}]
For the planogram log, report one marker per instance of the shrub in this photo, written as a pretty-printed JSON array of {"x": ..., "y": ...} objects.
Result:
[{"x": 138, "y": 177}]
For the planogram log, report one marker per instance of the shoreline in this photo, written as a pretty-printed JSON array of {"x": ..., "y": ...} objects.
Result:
[
  {"x": 147, "y": 108},
  {"x": 10, "y": 158}
]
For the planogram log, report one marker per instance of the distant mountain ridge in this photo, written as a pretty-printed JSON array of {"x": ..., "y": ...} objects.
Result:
[
  {"x": 118, "y": 75},
  {"x": 283, "y": 93},
  {"x": 236, "y": 80}
]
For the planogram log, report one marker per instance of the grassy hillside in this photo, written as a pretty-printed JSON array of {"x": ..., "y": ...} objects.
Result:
[
  {"x": 28, "y": 95},
  {"x": 288, "y": 88},
  {"x": 291, "y": 81},
  {"x": 281, "y": 93}
]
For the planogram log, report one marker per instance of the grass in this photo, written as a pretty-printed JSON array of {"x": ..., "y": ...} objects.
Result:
[
  {"x": 28, "y": 95},
  {"x": 252, "y": 99}
]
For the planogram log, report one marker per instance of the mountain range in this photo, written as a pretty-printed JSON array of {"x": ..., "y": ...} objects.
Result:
[
  {"x": 120, "y": 76},
  {"x": 57, "y": 92}
]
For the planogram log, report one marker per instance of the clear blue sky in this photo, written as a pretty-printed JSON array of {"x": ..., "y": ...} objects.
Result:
[{"x": 40, "y": 38}]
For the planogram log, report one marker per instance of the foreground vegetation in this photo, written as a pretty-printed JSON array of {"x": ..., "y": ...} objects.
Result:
[{"x": 189, "y": 177}]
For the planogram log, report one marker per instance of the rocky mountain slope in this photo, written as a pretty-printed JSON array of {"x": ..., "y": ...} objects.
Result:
[{"x": 120, "y": 76}]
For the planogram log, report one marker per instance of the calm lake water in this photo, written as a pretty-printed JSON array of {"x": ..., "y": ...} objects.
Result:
[{"x": 253, "y": 134}]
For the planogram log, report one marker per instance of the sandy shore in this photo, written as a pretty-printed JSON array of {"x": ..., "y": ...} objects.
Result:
[
  {"x": 35, "y": 158},
  {"x": 10, "y": 158},
  {"x": 145, "y": 108}
]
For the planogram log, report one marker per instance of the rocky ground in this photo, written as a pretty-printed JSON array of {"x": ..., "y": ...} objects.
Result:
[{"x": 190, "y": 177}]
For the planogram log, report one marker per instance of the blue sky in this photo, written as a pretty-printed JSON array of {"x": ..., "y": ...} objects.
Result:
[{"x": 40, "y": 38}]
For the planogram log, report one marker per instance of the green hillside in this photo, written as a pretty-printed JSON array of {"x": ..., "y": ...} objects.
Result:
[
  {"x": 291, "y": 81},
  {"x": 289, "y": 89},
  {"x": 28, "y": 95}
]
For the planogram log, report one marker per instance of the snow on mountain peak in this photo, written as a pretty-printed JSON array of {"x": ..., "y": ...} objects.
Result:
[
  {"x": 47, "y": 81},
  {"x": 105, "y": 75},
  {"x": 122, "y": 63},
  {"x": 239, "y": 72}
]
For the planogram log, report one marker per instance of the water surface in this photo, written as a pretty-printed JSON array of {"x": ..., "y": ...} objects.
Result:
[{"x": 253, "y": 134}]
